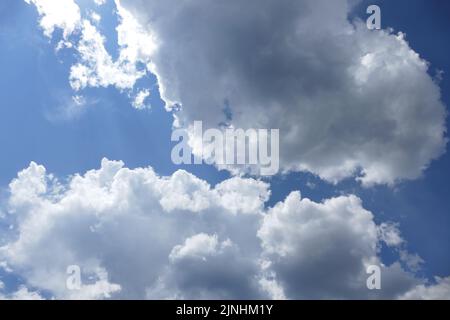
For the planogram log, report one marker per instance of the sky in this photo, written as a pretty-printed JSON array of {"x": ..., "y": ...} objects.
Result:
[{"x": 86, "y": 176}]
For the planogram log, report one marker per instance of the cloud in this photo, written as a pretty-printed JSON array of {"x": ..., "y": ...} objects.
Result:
[
  {"x": 198, "y": 246},
  {"x": 205, "y": 267},
  {"x": 22, "y": 293},
  {"x": 335, "y": 89},
  {"x": 95, "y": 67},
  {"x": 100, "y": 2},
  {"x": 337, "y": 92},
  {"x": 322, "y": 250},
  {"x": 129, "y": 223},
  {"x": 63, "y": 14},
  {"x": 68, "y": 107},
  {"x": 135, "y": 234},
  {"x": 98, "y": 288},
  {"x": 390, "y": 234},
  {"x": 438, "y": 291},
  {"x": 139, "y": 100}
]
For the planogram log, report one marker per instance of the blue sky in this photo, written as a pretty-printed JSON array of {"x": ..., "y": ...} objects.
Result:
[{"x": 35, "y": 95}]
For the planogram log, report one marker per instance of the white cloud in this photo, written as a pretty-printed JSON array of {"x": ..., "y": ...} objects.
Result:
[
  {"x": 95, "y": 17},
  {"x": 439, "y": 291},
  {"x": 22, "y": 293},
  {"x": 3, "y": 264},
  {"x": 243, "y": 195},
  {"x": 273, "y": 289},
  {"x": 137, "y": 43},
  {"x": 390, "y": 234},
  {"x": 139, "y": 100},
  {"x": 100, "y": 2},
  {"x": 412, "y": 262},
  {"x": 135, "y": 234},
  {"x": 336, "y": 90},
  {"x": 201, "y": 245},
  {"x": 126, "y": 222},
  {"x": 95, "y": 66},
  {"x": 62, "y": 14}
]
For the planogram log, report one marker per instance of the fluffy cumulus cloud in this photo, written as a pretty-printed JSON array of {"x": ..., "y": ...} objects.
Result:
[
  {"x": 126, "y": 229},
  {"x": 299, "y": 235},
  {"x": 135, "y": 234},
  {"x": 336, "y": 90}
]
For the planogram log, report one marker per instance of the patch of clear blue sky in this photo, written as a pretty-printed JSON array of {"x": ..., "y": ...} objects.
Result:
[{"x": 34, "y": 92}]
